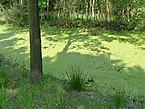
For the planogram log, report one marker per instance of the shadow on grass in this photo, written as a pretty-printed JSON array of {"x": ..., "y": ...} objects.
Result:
[
  {"x": 100, "y": 67},
  {"x": 112, "y": 73},
  {"x": 11, "y": 41},
  {"x": 132, "y": 37},
  {"x": 95, "y": 38}
]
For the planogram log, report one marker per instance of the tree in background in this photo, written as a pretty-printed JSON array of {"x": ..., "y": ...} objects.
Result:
[
  {"x": 106, "y": 14},
  {"x": 36, "y": 73}
]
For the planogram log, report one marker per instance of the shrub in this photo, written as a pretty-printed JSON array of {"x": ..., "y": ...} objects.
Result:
[{"x": 15, "y": 15}]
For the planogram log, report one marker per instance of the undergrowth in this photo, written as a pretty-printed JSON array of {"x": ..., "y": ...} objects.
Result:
[{"x": 16, "y": 92}]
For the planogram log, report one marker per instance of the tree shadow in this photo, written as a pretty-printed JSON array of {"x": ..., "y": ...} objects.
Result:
[
  {"x": 73, "y": 36},
  {"x": 104, "y": 71},
  {"x": 94, "y": 40},
  {"x": 98, "y": 66},
  {"x": 132, "y": 37},
  {"x": 12, "y": 46}
]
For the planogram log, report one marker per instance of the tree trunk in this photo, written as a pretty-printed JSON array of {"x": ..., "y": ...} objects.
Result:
[
  {"x": 21, "y": 2},
  {"x": 108, "y": 10},
  {"x": 35, "y": 42},
  {"x": 93, "y": 9},
  {"x": 47, "y": 6}
]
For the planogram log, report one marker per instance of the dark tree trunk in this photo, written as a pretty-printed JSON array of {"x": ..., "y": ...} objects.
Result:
[{"x": 35, "y": 42}]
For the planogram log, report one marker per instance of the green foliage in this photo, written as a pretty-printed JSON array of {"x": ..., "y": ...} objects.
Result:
[
  {"x": 118, "y": 14},
  {"x": 3, "y": 98},
  {"x": 119, "y": 98},
  {"x": 3, "y": 78},
  {"x": 49, "y": 94},
  {"x": 61, "y": 102},
  {"x": 25, "y": 99},
  {"x": 75, "y": 77},
  {"x": 16, "y": 15},
  {"x": 133, "y": 100},
  {"x": 126, "y": 99},
  {"x": 140, "y": 18},
  {"x": 1, "y": 60},
  {"x": 42, "y": 3}
]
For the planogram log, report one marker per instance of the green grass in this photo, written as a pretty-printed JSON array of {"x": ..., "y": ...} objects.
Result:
[
  {"x": 50, "y": 93},
  {"x": 112, "y": 59},
  {"x": 75, "y": 77}
]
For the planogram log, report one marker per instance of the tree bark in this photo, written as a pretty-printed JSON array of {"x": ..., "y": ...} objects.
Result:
[
  {"x": 93, "y": 9},
  {"x": 108, "y": 10},
  {"x": 36, "y": 73}
]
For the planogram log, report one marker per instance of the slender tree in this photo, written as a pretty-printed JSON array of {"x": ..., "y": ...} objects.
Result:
[{"x": 36, "y": 73}]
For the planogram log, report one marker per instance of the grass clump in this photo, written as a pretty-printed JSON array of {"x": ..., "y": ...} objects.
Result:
[{"x": 75, "y": 77}]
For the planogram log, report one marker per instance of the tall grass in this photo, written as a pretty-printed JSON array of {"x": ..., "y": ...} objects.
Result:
[
  {"x": 3, "y": 98},
  {"x": 25, "y": 99},
  {"x": 119, "y": 99},
  {"x": 3, "y": 78},
  {"x": 75, "y": 77}
]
